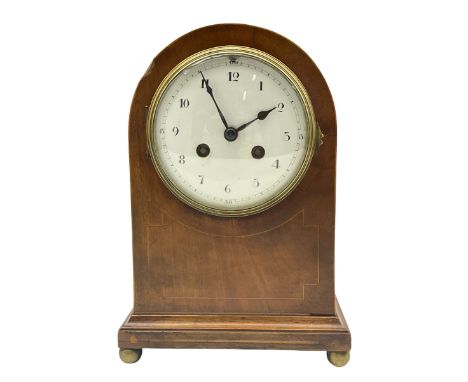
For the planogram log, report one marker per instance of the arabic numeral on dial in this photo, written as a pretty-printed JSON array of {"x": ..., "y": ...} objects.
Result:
[
  {"x": 280, "y": 107},
  {"x": 205, "y": 82},
  {"x": 201, "y": 178},
  {"x": 184, "y": 102},
  {"x": 175, "y": 130},
  {"x": 256, "y": 182},
  {"x": 287, "y": 137},
  {"x": 161, "y": 131},
  {"x": 233, "y": 76},
  {"x": 301, "y": 136},
  {"x": 227, "y": 189},
  {"x": 261, "y": 85},
  {"x": 182, "y": 159},
  {"x": 276, "y": 163}
]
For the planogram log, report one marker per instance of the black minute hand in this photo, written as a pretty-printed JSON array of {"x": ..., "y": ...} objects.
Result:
[
  {"x": 210, "y": 92},
  {"x": 261, "y": 116}
]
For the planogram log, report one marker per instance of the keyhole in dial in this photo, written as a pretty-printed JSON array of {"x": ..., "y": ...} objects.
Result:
[
  {"x": 258, "y": 152},
  {"x": 203, "y": 150}
]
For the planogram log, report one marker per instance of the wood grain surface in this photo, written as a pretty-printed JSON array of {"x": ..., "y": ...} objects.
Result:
[{"x": 279, "y": 263}]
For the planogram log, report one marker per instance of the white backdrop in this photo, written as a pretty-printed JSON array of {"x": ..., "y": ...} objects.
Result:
[{"x": 397, "y": 71}]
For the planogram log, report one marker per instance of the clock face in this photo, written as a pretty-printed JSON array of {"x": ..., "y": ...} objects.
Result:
[{"x": 231, "y": 131}]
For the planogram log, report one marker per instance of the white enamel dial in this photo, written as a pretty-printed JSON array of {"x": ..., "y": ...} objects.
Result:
[{"x": 230, "y": 133}]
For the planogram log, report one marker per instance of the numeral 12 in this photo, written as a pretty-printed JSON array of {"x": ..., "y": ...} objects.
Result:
[{"x": 233, "y": 76}]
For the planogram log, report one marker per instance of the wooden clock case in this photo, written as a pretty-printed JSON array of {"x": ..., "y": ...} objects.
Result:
[{"x": 264, "y": 281}]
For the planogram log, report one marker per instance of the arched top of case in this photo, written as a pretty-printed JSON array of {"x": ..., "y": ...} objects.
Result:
[{"x": 315, "y": 195}]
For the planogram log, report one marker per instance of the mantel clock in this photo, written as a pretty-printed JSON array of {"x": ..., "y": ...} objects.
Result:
[{"x": 232, "y": 159}]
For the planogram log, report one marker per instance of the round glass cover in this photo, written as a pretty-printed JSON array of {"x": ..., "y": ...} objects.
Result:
[{"x": 231, "y": 131}]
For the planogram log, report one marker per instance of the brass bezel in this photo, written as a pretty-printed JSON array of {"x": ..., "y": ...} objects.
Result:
[{"x": 314, "y": 133}]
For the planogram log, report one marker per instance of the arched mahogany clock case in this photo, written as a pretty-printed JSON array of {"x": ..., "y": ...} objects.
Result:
[{"x": 264, "y": 281}]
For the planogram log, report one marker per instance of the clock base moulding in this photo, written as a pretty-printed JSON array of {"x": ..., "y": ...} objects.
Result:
[{"x": 328, "y": 333}]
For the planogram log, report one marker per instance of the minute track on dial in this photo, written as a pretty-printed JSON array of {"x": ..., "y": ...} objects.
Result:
[{"x": 242, "y": 161}]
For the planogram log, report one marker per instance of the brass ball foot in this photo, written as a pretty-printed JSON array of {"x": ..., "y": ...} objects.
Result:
[
  {"x": 130, "y": 355},
  {"x": 338, "y": 358}
]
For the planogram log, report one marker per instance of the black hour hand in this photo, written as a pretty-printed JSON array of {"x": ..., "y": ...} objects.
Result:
[{"x": 260, "y": 116}]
